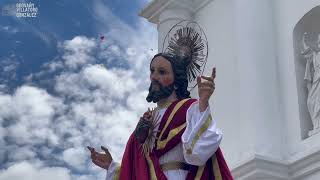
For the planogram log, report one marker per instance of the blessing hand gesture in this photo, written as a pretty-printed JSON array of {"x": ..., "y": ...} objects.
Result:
[{"x": 205, "y": 89}]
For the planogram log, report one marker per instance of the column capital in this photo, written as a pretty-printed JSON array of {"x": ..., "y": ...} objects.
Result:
[{"x": 183, "y": 9}]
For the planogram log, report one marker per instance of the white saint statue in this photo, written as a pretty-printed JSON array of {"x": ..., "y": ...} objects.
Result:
[{"x": 311, "y": 53}]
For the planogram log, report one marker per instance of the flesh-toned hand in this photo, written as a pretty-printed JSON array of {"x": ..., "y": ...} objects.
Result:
[
  {"x": 101, "y": 159},
  {"x": 205, "y": 89}
]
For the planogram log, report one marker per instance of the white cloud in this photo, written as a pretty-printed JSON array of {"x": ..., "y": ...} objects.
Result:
[
  {"x": 29, "y": 114},
  {"x": 3, "y": 88},
  {"x": 93, "y": 104},
  {"x": 28, "y": 171},
  {"x": 117, "y": 82},
  {"x": 53, "y": 66},
  {"x": 6, "y": 106},
  {"x": 107, "y": 101},
  {"x": 2, "y": 143},
  {"x": 75, "y": 157},
  {"x": 9, "y": 29},
  {"x": 78, "y": 51},
  {"x": 21, "y": 153},
  {"x": 35, "y": 102},
  {"x": 8, "y": 68}
]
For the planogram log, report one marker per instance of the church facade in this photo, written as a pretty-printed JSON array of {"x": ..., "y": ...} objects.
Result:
[{"x": 267, "y": 97}]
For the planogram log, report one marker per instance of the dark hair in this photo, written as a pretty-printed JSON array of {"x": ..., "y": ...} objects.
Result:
[{"x": 179, "y": 67}]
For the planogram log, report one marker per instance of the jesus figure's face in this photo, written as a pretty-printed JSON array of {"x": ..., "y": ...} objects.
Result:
[{"x": 162, "y": 79}]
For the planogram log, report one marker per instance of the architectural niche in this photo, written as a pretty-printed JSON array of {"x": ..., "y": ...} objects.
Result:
[{"x": 306, "y": 36}]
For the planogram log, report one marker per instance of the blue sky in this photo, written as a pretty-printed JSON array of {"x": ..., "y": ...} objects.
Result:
[{"x": 63, "y": 88}]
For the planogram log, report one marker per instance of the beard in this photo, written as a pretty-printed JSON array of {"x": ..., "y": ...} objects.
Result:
[{"x": 156, "y": 94}]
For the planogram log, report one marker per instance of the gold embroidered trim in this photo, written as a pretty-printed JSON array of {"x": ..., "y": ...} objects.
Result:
[
  {"x": 171, "y": 135},
  {"x": 202, "y": 129},
  {"x": 216, "y": 169},
  {"x": 174, "y": 166},
  {"x": 173, "y": 132},
  {"x": 152, "y": 171},
  {"x": 116, "y": 173},
  {"x": 199, "y": 173}
]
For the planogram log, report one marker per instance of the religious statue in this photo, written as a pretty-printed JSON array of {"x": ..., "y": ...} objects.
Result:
[
  {"x": 311, "y": 54},
  {"x": 178, "y": 139}
]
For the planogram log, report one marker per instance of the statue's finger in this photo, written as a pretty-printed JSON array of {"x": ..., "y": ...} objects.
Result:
[
  {"x": 213, "y": 72},
  {"x": 208, "y": 78},
  {"x": 105, "y": 150},
  {"x": 90, "y": 148}
]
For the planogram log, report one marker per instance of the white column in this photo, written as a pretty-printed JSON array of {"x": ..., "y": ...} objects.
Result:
[
  {"x": 168, "y": 18},
  {"x": 259, "y": 94}
]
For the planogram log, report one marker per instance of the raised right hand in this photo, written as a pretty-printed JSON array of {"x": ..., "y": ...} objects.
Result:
[{"x": 100, "y": 159}]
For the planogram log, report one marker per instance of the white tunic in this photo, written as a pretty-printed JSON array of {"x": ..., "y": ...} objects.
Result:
[{"x": 203, "y": 146}]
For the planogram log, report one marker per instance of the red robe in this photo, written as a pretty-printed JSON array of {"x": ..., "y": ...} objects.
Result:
[{"x": 136, "y": 166}]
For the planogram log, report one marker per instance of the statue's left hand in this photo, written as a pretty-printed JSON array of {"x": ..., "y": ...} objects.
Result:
[
  {"x": 142, "y": 129},
  {"x": 205, "y": 89},
  {"x": 101, "y": 159}
]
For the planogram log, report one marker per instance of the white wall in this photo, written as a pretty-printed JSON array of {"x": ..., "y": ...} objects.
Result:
[
  {"x": 246, "y": 102},
  {"x": 288, "y": 13},
  {"x": 167, "y": 19},
  {"x": 216, "y": 19},
  {"x": 256, "y": 99}
]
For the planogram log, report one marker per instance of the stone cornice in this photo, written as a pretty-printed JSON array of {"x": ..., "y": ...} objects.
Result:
[
  {"x": 156, "y": 7},
  {"x": 306, "y": 165},
  {"x": 261, "y": 167}
]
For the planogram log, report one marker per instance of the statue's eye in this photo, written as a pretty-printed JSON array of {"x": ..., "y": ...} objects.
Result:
[{"x": 162, "y": 72}]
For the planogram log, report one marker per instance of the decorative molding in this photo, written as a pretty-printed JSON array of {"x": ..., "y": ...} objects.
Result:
[
  {"x": 153, "y": 10},
  {"x": 261, "y": 167},
  {"x": 305, "y": 166},
  {"x": 199, "y": 4}
]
